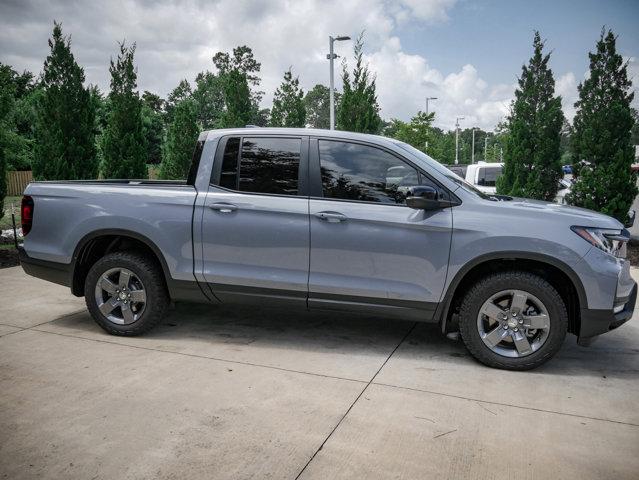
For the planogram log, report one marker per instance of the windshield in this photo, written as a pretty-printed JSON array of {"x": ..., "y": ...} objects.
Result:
[{"x": 444, "y": 171}]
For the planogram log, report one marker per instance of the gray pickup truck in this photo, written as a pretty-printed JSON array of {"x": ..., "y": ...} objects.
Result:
[{"x": 333, "y": 221}]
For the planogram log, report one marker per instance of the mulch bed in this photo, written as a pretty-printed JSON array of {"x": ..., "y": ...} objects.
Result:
[
  {"x": 9, "y": 258},
  {"x": 633, "y": 253}
]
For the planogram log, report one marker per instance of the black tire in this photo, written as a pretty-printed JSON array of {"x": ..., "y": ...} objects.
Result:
[
  {"x": 512, "y": 280},
  {"x": 152, "y": 278}
]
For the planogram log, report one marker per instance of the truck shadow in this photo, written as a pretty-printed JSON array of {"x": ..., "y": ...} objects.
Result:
[{"x": 301, "y": 340}]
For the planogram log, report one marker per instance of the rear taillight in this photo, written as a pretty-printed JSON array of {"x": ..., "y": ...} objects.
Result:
[{"x": 26, "y": 214}]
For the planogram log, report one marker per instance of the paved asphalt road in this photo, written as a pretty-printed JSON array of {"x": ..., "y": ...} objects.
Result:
[{"x": 235, "y": 394}]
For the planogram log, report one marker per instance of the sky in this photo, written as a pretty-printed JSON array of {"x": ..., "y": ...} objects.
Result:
[{"x": 467, "y": 53}]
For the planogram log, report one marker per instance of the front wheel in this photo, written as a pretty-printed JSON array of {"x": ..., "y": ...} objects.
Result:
[
  {"x": 125, "y": 293},
  {"x": 513, "y": 320}
]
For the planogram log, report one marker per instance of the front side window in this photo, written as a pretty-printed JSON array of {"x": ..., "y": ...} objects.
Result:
[
  {"x": 358, "y": 172},
  {"x": 261, "y": 165}
]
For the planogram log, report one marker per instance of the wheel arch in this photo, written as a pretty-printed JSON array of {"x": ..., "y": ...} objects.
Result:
[
  {"x": 101, "y": 242},
  {"x": 557, "y": 272}
]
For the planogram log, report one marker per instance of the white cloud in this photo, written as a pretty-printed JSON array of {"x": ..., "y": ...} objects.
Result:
[
  {"x": 177, "y": 40},
  {"x": 633, "y": 74},
  {"x": 566, "y": 86},
  {"x": 404, "y": 81}
]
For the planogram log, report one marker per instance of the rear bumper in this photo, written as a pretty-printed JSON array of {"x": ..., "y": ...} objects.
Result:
[
  {"x": 596, "y": 322},
  {"x": 55, "y": 272}
]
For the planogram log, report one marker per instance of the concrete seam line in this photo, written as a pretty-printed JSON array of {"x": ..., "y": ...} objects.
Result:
[
  {"x": 11, "y": 333},
  {"x": 576, "y": 415},
  {"x": 58, "y": 318},
  {"x": 356, "y": 399},
  {"x": 192, "y": 355}
]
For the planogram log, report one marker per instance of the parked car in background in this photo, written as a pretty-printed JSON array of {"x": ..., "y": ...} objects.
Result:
[
  {"x": 484, "y": 176},
  {"x": 329, "y": 220},
  {"x": 565, "y": 184},
  {"x": 567, "y": 169},
  {"x": 459, "y": 170}
]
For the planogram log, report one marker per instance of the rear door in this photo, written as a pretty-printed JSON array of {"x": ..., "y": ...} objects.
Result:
[
  {"x": 368, "y": 249},
  {"x": 255, "y": 224}
]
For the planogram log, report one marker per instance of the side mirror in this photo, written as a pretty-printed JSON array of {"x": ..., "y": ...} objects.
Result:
[{"x": 426, "y": 198}]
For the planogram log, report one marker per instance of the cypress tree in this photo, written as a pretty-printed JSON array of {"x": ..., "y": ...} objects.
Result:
[
  {"x": 289, "y": 109},
  {"x": 123, "y": 142},
  {"x": 180, "y": 141},
  {"x": 532, "y": 157},
  {"x": 358, "y": 109},
  {"x": 65, "y": 123},
  {"x": 601, "y": 140}
]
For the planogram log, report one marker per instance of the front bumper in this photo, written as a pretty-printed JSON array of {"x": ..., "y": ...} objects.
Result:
[{"x": 595, "y": 322}]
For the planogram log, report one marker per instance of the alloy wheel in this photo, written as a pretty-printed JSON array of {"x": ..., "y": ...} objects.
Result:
[
  {"x": 120, "y": 296},
  {"x": 513, "y": 323}
]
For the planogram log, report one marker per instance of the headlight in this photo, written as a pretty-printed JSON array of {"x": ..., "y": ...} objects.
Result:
[{"x": 610, "y": 241}]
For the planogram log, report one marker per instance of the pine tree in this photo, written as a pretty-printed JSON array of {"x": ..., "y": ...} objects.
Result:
[
  {"x": 153, "y": 122},
  {"x": 237, "y": 99},
  {"x": 180, "y": 141},
  {"x": 179, "y": 93},
  {"x": 239, "y": 73},
  {"x": 289, "y": 109},
  {"x": 358, "y": 110},
  {"x": 532, "y": 158},
  {"x": 123, "y": 142},
  {"x": 209, "y": 99},
  {"x": 418, "y": 132},
  {"x": 65, "y": 124},
  {"x": 601, "y": 139},
  {"x": 317, "y": 102}
]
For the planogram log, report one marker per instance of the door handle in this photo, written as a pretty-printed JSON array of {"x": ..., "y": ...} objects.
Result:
[
  {"x": 331, "y": 217},
  {"x": 223, "y": 207}
]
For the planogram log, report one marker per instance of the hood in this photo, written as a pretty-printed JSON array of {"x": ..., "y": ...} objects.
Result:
[{"x": 574, "y": 215}]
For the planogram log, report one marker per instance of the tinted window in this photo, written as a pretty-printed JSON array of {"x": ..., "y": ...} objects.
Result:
[
  {"x": 228, "y": 176},
  {"x": 488, "y": 176},
  {"x": 195, "y": 163},
  {"x": 358, "y": 172},
  {"x": 266, "y": 165}
]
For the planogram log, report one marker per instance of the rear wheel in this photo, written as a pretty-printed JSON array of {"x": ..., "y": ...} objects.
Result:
[
  {"x": 125, "y": 293},
  {"x": 513, "y": 320}
]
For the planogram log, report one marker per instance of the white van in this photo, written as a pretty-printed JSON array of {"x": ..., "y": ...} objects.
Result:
[{"x": 484, "y": 176}]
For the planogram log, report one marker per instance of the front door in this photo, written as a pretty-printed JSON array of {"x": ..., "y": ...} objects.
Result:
[
  {"x": 368, "y": 249},
  {"x": 255, "y": 224}
]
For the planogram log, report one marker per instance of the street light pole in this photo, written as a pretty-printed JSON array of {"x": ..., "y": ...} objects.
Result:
[
  {"x": 472, "y": 155},
  {"x": 427, "y": 99},
  {"x": 332, "y": 56},
  {"x": 485, "y": 146},
  {"x": 457, "y": 139}
]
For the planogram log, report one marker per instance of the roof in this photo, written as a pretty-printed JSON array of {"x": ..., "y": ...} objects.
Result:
[{"x": 316, "y": 132}]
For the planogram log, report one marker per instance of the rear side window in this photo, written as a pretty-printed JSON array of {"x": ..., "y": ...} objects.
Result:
[
  {"x": 195, "y": 163},
  {"x": 261, "y": 165},
  {"x": 228, "y": 176},
  {"x": 488, "y": 176},
  {"x": 358, "y": 172}
]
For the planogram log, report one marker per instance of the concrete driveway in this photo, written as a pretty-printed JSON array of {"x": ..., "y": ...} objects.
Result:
[{"x": 220, "y": 393}]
